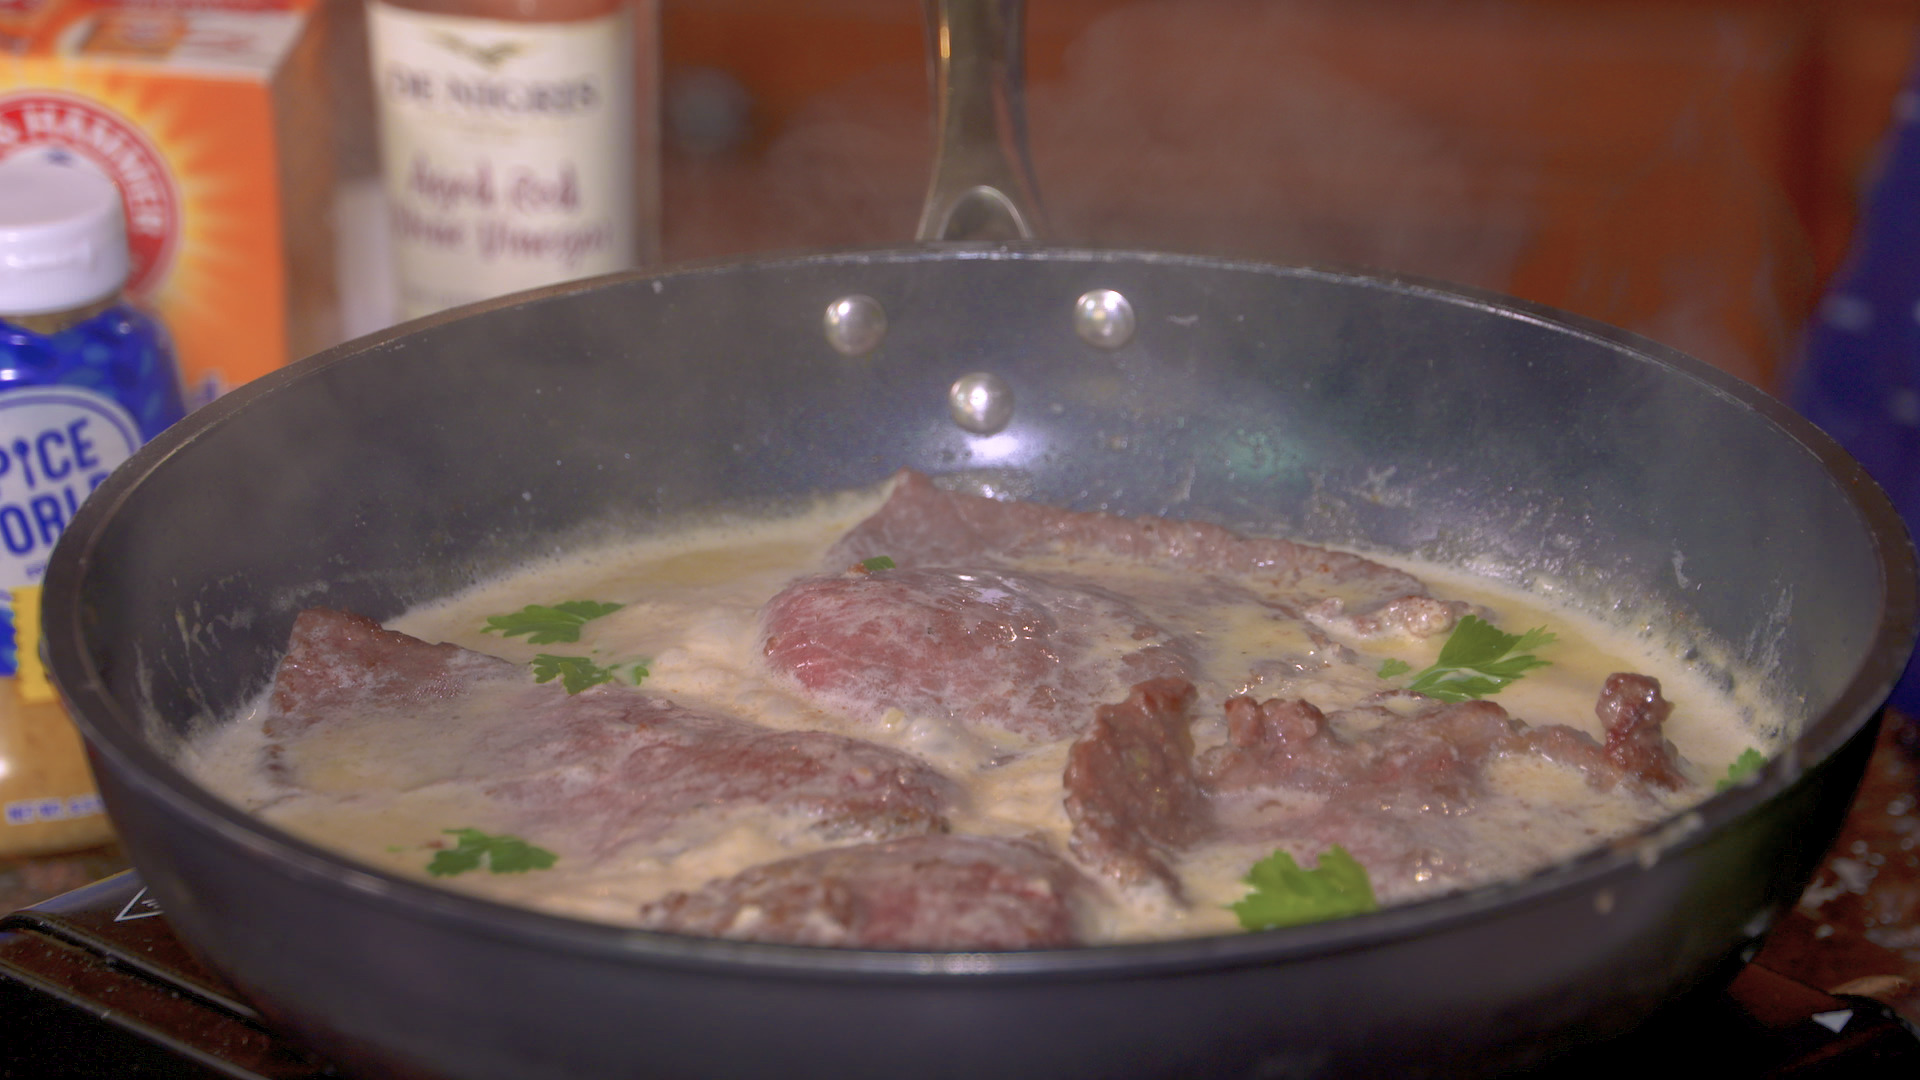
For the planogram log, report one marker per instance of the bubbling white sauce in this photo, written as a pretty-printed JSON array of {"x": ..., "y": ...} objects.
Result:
[{"x": 691, "y": 602}]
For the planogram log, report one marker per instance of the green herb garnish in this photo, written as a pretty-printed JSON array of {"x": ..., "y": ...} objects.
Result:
[
  {"x": 1286, "y": 895},
  {"x": 1745, "y": 765},
  {"x": 546, "y": 625},
  {"x": 1394, "y": 666},
  {"x": 1477, "y": 660},
  {"x": 503, "y": 854},
  {"x": 576, "y": 673},
  {"x": 878, "y": 562}
]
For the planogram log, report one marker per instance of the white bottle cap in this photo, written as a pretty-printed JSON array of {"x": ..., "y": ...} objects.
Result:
[{"x": 63, "y": 237}]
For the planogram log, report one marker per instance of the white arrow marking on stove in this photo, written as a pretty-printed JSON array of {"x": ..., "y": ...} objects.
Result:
[
  {"x": 152, "y": 908},
  {"x": 1835, "y": 1021}
]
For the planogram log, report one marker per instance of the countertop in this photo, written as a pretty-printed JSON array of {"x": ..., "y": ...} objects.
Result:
[{"x": 1857, "y": 927}]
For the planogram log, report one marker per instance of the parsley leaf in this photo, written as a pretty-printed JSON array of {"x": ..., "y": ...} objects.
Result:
[
  {"x": 576, "y": 673},
  {"x": 503, "y": 854},
  {"x": 1745, "y": 765},
  {"x": 1286, "y": 895},
  {"x": 1477, "y": 660},
  {"x": 878, "y": 562},
  {"x": 546, "y": 625},
  {"x": 1394, "y": 666}
]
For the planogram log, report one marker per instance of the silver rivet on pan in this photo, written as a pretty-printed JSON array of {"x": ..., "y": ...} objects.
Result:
[
  {"x": 981, "y": 402},
  {"x": 1104, "y": 318},
  {"x": 855, "y": 325}
]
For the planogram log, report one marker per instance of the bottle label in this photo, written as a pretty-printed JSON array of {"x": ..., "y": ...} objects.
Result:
[
  {"x": 57, "y": 443},
  {"x": 507, "y": 149}
]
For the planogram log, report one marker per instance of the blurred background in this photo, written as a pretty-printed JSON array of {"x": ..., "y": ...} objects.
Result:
[{"x": 1689, "y": 169}]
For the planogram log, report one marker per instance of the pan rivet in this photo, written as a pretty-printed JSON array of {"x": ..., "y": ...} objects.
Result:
[
  {"x": 980, "y": 402},
  {"x": 1104, "y": 318},
  {"x": 855, "y": 325}
]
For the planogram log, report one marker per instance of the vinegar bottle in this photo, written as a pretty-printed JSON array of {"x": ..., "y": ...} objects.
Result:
[
  {"x": 511, "y": 142},
  {"x": 85, "y": 378}
]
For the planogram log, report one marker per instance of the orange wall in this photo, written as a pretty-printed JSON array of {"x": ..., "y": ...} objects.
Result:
[{"x": 1685, "y": 168}]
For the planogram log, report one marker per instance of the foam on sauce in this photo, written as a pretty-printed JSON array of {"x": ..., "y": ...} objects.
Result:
[{"x": 691, "y": 606}]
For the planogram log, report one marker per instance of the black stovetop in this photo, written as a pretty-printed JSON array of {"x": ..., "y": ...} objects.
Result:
[{"x": 94, "y": 984}]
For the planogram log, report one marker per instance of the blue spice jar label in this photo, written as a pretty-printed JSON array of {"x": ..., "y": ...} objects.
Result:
[
  {"x": 56, "y": 445},
  {"x": 74, "y": 405}
]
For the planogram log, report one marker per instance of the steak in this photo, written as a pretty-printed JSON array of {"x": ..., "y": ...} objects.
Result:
[
  {"x": 952, "y": 631},
  {"x": 1131, "y": 789},
  {"x": 924, "y": 892},
  {"x": 612, "y": 763},
  {"x": 989, "y": 650},
  {"x": 923, "y": 525},
  {"x": 1394, "y": 788}
]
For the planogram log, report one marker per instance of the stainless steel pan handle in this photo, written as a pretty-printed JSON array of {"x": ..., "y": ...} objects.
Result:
[{"x": 982, "y": 187}]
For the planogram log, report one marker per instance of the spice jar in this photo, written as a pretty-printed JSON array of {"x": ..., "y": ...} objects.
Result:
[{"x": 85, "y": 379}]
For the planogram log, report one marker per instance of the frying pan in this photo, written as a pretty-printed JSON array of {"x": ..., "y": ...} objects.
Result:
[{"x": 1381, "y": 411}]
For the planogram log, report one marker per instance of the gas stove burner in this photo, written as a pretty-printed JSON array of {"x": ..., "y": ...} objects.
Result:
[{"x": 93, "y": 983}]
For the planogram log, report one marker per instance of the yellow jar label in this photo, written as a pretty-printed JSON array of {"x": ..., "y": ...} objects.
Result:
[{"x": 30, "y": 678}]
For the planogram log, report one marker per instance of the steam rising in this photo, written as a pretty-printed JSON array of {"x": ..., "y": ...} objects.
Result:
[{"x": 1625, "y": 163}]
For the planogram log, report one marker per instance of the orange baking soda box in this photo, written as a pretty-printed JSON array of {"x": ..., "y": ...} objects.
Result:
[{"x": 211, "y": 117}]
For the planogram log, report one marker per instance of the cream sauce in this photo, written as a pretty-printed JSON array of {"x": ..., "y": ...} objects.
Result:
[{"x": 691, "y": 605}]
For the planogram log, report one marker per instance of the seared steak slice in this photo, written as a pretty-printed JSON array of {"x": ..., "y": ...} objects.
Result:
[
  {"x": 1131, "y": 790},
  {"x": 926, "y": 892},
  {"x": 1394, "y": 787},
  {"x": 1634, "y": 712},
  {"x": 1431, "y": 758},
  {"x": 338, "y": 661},
  {"x": 610, "y": 764},
  {"x": 1636, "y": 751},
  {"x": 923, "y": 525},
  {"x": 987, "y": 649}
]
